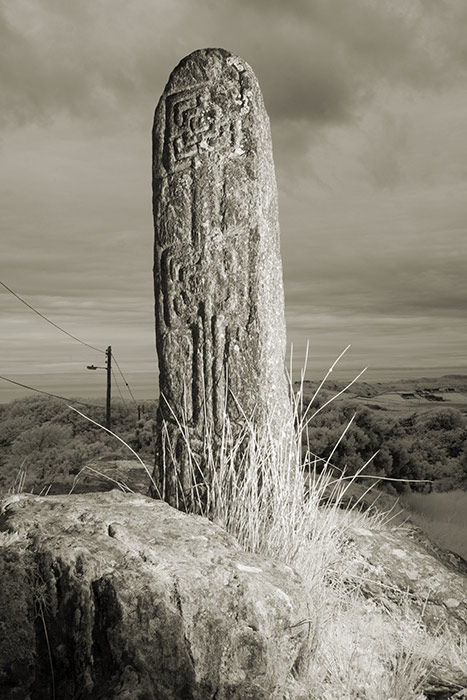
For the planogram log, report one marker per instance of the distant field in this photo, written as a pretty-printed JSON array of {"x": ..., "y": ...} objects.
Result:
[
  {"x": 404, "y": 396},
  {"x": 443, "y": 516},
  {"x": 393, "y": 400}
]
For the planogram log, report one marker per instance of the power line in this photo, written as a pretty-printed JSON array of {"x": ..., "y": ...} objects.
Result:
[
  {"x": 70, "y": 335},
  {"x": 126, "y": 383},
  {"x": 48, "y": 319},
  {"x": 56, "y": 396},
  {"x": 118, "y": 386}
]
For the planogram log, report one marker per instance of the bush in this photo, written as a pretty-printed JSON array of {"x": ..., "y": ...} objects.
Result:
[
  {"x": 428, "y": 446},
  {"x": 51, "y": 443}
]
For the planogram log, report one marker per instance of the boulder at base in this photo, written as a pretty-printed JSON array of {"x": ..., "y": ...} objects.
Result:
[
  {"x": 403, "y": 562},
  {"x": 117, "y": 596}
]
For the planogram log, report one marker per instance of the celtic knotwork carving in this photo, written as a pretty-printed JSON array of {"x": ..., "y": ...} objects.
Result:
[{"x": 195, "y": 125}]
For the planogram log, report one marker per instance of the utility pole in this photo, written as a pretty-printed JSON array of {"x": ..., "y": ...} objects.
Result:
[
  {"x": 108, "y": 355},
  {"x": 108, "y": 367}
]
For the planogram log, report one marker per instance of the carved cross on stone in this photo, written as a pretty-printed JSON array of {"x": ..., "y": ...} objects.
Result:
[{"x": 220, "y": 327}]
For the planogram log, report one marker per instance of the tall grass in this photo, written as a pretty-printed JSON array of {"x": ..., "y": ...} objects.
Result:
[
  {"x": 20, "y": 479},
  {"x": 267, "y": 493}
]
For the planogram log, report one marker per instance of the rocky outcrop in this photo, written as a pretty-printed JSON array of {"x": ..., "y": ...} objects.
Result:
[
  {"x": 403, "y": 562},
  {"x": 117, "y": 596},
  {"x": 105, "y": 474},
  {"x": 401, "y": 567}
]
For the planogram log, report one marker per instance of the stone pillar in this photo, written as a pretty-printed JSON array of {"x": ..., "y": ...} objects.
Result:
[{"x": 220, "y": 327}]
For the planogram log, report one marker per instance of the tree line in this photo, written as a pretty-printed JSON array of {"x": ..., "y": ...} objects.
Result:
[
  {"x": 51, "y": 443},
  {"x": 428, "y": 445}
]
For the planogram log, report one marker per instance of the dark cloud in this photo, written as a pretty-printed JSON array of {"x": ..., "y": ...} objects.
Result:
[
  {"x": 383, "y": 156},
  {"x": 401, "y": 284},
  {"x": 85, "y": 59},
  {"x": 322, "y": 59},
  {"x": 307, "y": 85},
  {"x": 316, "y": 59},
  {"x": 39, "y": 77}
]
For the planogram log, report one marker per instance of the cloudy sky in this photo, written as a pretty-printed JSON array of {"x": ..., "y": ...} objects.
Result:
[{"x": 368, "y": 106}]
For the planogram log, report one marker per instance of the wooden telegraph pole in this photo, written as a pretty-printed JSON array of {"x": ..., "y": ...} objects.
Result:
[
  {"x": 108, "y": 367},
  {"x": 108, "y": 362}
]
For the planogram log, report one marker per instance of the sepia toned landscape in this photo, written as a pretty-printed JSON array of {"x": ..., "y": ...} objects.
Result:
[{"x": 209, "y": 522}]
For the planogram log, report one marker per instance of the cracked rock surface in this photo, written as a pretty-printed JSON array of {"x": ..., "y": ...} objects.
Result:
[
  {"x": 406, "y": 562},
  {"x": 112, "y": 595}
]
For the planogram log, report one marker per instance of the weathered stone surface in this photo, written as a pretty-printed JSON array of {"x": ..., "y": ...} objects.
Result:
[
  {"x": 218, "y": 274},
  {"x": 139, "y": 601},
  {"x": 404, "y": 561}
]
